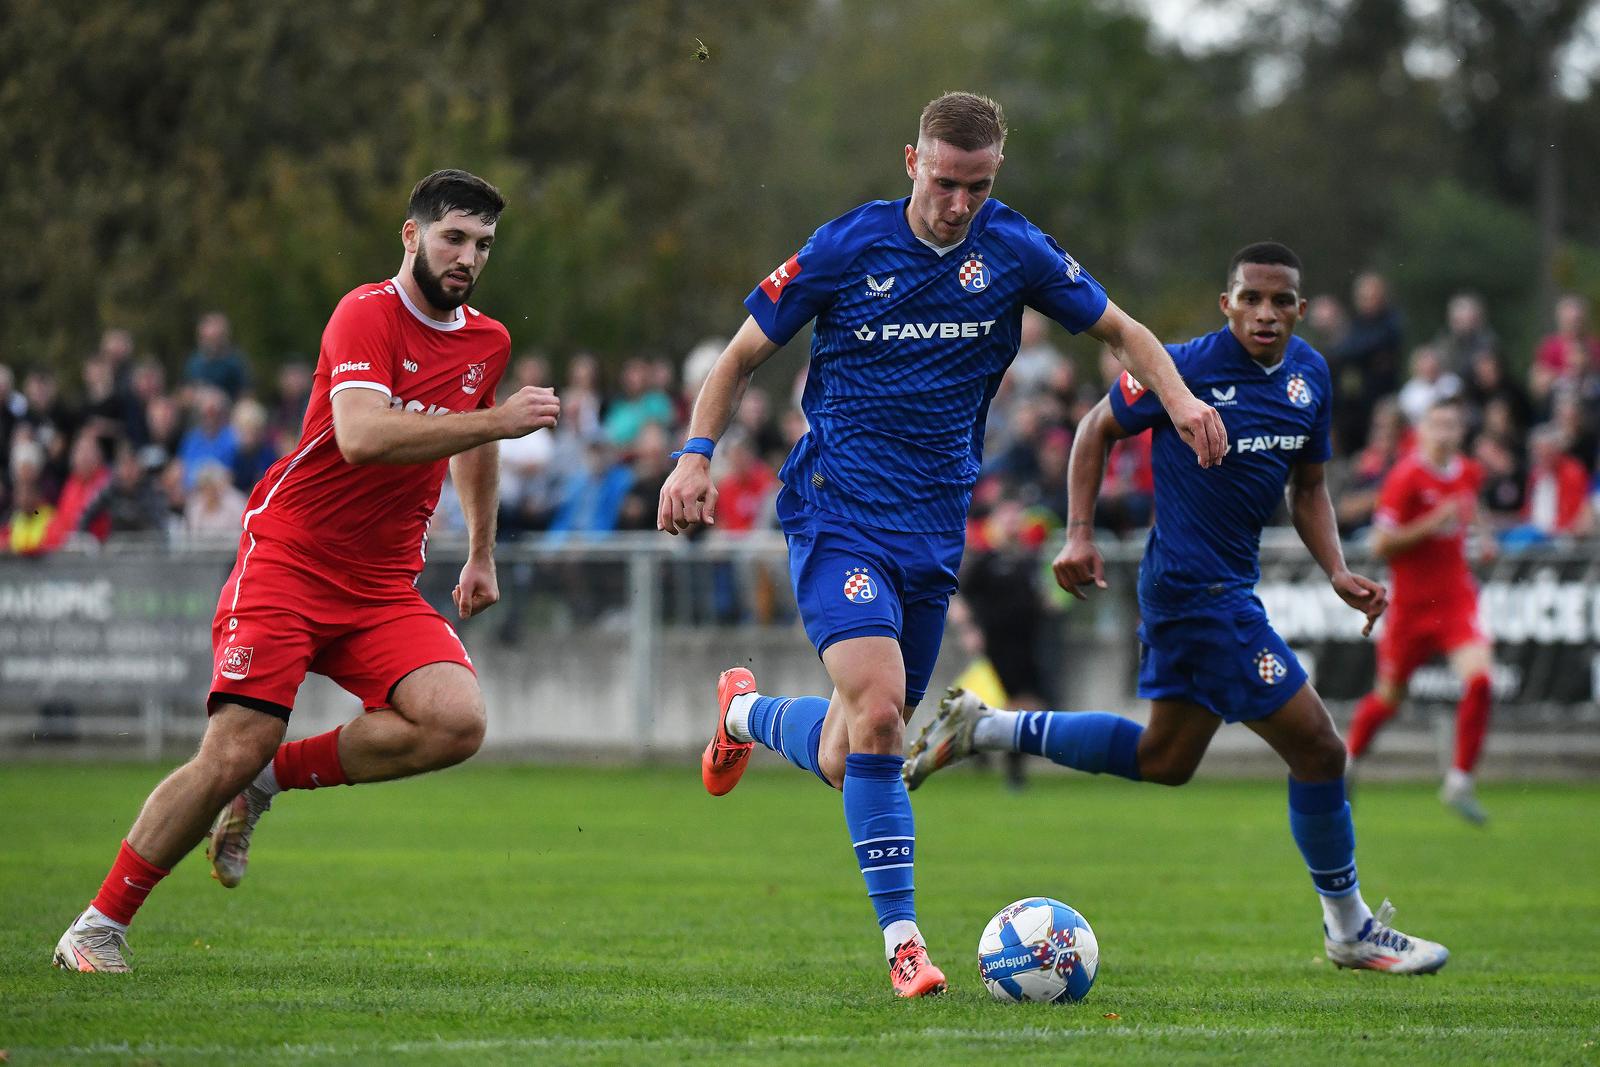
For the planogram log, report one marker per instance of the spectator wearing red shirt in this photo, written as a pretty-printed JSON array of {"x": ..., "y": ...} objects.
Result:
[
  {"x": 745, "y": 492},
  {"x": 1558, "y": 490},
  {"x": 1569, "y": 354},
  {"x": 88, "y": 478}
]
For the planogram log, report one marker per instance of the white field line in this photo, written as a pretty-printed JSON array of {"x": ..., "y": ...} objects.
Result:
[{"x": 1030, "y": 1035}]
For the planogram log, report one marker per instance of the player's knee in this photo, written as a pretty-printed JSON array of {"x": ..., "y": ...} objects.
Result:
[
  {"x": 877, "y": 726},
  {"x": 234, "y": 761},
  {"x": 455, "y": 733},
  {"x": 1322, "y": 760},
  {"x": 1166, "y": 768}
]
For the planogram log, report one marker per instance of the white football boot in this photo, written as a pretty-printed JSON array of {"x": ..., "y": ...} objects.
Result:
[
  {"x": 946, "y": 739},
  {"x": 92, "y": 947},
  {"x": 1458, "y": 795},
  {"x": 229, "y": 848},
  {"x": 1383, "y": 948}
]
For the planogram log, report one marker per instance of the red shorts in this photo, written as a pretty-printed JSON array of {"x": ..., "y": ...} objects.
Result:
[
  {"x": 1411, "y": 638},
  {"x": 283, "y": 613}
]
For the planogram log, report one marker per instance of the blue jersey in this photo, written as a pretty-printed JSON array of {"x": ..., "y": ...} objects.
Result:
[
  {"x": 909, "y": 347},
  {"x": 1206, "y": 541}
]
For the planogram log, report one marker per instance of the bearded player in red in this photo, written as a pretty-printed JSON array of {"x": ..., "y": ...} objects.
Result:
[
  {"x": 333, "y": 541},
  {"x": 1426, "y": 505}
]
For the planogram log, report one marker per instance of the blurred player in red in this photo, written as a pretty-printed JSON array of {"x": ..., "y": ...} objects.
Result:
[
  {"x": 1426, "y": 505},
  {"x": 333, "y": 541}
]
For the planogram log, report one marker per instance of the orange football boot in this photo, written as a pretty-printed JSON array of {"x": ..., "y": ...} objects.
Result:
[
  {"x": 913, "y": 974},
  {"x": 724, "y": 760}
]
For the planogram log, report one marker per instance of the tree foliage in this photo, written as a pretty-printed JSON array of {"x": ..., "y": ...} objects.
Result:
[{"x": 163, "y": 158}]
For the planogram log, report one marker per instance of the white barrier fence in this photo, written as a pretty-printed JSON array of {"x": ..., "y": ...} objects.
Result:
[{"x": 611, "y": 650}]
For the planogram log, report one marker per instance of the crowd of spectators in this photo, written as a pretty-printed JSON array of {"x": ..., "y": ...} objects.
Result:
[{"x": 129, "y": 450}]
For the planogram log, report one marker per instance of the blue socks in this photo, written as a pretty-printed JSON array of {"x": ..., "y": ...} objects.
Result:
[
  {"x": 791, "y": 727},
  {"x": 1319, "y": 818},
  {"x": 1093, "y": 741},
  {"x": 877, "y": 810}
]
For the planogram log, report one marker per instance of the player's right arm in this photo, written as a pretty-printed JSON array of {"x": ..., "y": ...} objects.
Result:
[
  {"x": 368, "y": 430},
  {"x": 1079, "y": 563},
  {"x": 1137, "y": 349},
  {"x": 688, "y": 497},
  {"x": 1393, "y": 537}
]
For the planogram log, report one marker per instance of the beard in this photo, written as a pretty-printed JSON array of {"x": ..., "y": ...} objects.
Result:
[{"x": 432, "y": 284}]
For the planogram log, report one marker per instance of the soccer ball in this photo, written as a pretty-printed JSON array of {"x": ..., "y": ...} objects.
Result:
[{"x": 1038, "y": 949}]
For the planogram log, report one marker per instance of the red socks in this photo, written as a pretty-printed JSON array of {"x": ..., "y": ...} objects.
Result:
[
  {"x": 1371, "y": 713},
  {"x": 310, "y": 763},
  {"x": 1472, "y": 722},
  {"x": 130, "y": 881}
]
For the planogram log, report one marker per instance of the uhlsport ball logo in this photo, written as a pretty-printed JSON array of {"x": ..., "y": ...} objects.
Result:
[
  {"x": 859, "y": 587},
  {"x": 974, "y": 275},
  {"x": 1269, "y": 667},
  {"x": 1299, "y": 392}
]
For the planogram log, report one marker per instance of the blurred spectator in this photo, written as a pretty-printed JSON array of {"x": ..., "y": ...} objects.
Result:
[
  {"x": 1466, "y": 334},
  {"x": 163, "y": 433},
  {"x": 88, "y": 477},
  {"x": 294, "y": 395},
  {"x": 215, "y": 361},
  {"x": 253, "y": 450},
  {"x": 1487, "y": 383},
  {"x": 754, "y": 420},
  {"x": 211, "y": 438},
  {"x": 652, "y": 462},
  {"x": 1037, "y": 359},
  {"x": 793, "y": 426},
  {"x": 580, "y": 397},
  {"x": 1429, "y": 383},
  {"x": 529, "y": 483},
  {"x": 592, "y": 497},
  {"x": 12, "y": 408},
  {"x": 1055, "y": 452},
  {"x": 1577, "y": 429},
  {"x": 1366, "y": 364},
  {"x": 104, "y": 411},
  {"x": 1558, "y": 488},
  {"x": 1018, "y": 461},
  {"x": 31, "y": 511},
  {"x": 1570, "y": 354},
  {"x": 147, "y": 381},
  {"x": 130, "y": 501},
  {"x": 171, "y": 483},
  {"x": 1127, "y": 496},
  {"x": 215, "y": 508},
  {"x": 1385, "y": 445},
  {"x": 746, "y": 486},
  {"x": 1327, "y": 324},
  {"x": 49, "y": 419},
  {"x": 696, "y": 366},
  {"x": 640, "y": 404},
  {"x": 1505, "y": 481},
  {"x": 116, "y": 351}
]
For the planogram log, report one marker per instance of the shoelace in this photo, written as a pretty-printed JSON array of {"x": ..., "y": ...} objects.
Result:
[
  {"x": 1382, "y": 934},
  {"x": 95, "y": 937},
  {"x": 907, "y": 960}
]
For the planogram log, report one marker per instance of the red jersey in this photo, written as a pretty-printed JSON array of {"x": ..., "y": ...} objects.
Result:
[
  {"x": 374, "y": 518},
  {"x": 1435, "y": 569}
]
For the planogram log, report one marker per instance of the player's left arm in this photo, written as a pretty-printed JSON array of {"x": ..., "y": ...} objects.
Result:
[
  {"x": 1312, "y": 511},
  {"x": 1137, "y": 349},
  {"x": 476, "y": 474}
]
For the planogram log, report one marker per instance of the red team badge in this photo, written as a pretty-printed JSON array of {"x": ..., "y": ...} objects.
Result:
[
  {"x": 473, "y": 377},
  {"x": 773, "y": 283},
  {"x": 236, "y": 662}
]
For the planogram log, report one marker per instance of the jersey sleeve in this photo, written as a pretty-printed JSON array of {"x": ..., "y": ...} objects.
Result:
[
  {"x": 1135, "y": 407},
  {"x": 358, "y": 344},
  {"x": 800, "y": 289},
  {"x": 1394, "y": 500},
  {"x": 1319, "y": 449},
  {"x": 1059, "y": 286}
]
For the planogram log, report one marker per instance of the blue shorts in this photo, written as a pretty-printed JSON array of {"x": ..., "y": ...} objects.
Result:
[
  {"x": 852, "y": 580},
  {"x": 1229, "y": 661}
]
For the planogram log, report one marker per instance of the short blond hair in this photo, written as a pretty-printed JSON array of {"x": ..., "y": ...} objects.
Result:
[{"x": 963, "y": 120}]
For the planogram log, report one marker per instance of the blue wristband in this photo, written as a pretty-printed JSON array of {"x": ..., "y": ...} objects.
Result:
[{"x": 696, "y": 446}]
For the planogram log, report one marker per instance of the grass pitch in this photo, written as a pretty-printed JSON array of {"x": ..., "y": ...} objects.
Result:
[{"x": 510, "y": 914}]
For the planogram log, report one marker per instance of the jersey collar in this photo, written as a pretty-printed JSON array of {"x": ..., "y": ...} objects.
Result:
[
  {"x": 909, "y": 236},
  {"x": 1233, "y": 342},
  {"x": 454, "y": 324}
]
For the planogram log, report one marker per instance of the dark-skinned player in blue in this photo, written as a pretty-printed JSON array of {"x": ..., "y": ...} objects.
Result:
[
  {"x": 918, "y": 307},
  {"x": 1209, "y": 654}
]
